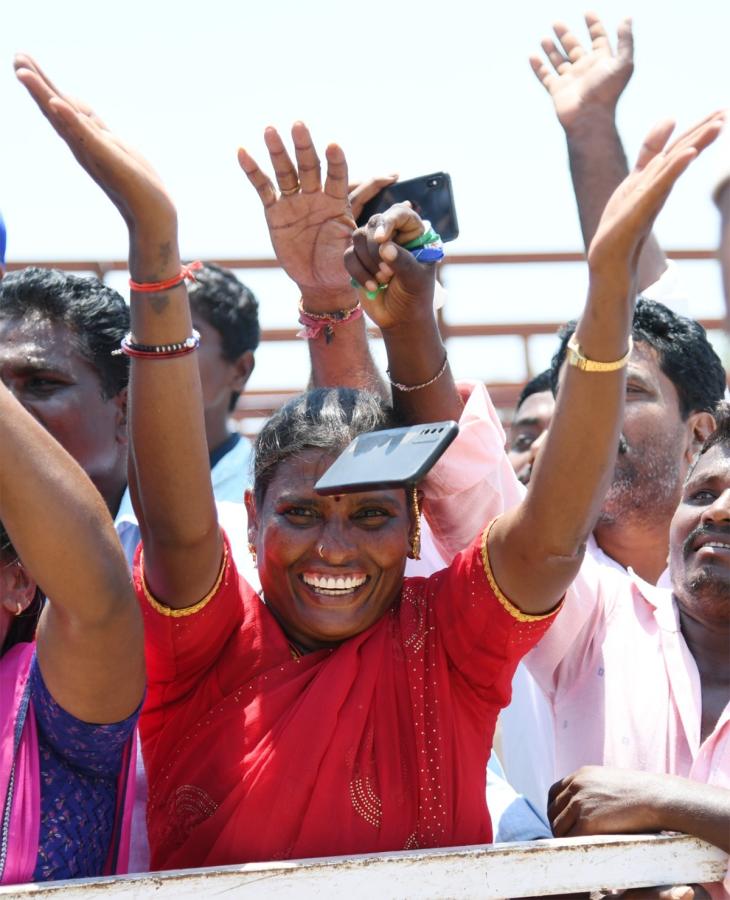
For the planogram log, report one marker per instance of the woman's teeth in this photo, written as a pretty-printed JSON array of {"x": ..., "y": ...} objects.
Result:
[{"x": 334, "y": 586}]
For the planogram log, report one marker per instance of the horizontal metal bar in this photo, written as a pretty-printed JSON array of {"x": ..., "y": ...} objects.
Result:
[
  {"x": 489, "y": 872},
  {"x": 453, "y": 259}
]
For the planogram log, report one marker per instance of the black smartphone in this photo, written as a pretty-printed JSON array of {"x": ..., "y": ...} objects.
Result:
[
  {"x": 395, "y": 457},
  {"x": 432, "y": 199}
]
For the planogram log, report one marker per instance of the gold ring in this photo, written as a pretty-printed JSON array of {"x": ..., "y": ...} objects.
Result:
[
  {"x": 288, "y": 193},
  {"x": 320, "y": 550}
]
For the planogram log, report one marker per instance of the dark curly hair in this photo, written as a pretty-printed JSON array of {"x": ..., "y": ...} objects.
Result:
[
  {"x": 96, "y": 316},
  {"x": 326, "y": 418},
  {"x": 685, "y": 355},
  {"x": 537, "y": 385},
  {"x": 230, "y": 307}
]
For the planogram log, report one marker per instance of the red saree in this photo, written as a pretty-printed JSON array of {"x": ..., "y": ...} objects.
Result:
[{"x": 380, "y": 744}]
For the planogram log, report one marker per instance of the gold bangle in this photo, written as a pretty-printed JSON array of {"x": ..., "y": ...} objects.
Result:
[{"x": 576, "y": 357}]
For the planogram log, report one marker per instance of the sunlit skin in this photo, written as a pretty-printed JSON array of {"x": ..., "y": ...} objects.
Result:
[
  {"x": 528, "y": 432},
  {"x": 700, "y": 540},
  {"x": 40, "y": 365},
  {"x": 700, "y": 568},
  {"x": 359, "y": 540}
]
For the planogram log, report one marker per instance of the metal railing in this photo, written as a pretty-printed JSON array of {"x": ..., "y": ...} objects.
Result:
[
  {"x": 540, "y": 868},
  {"x": 255, "y": 405}
]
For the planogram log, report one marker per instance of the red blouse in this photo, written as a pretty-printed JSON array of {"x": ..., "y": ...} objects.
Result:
[{"x": 380, "y": 744}]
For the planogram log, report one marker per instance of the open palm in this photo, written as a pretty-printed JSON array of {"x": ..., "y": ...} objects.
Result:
[
  {"x": 581, "y": 78},
  {"x": 126, "y": 178},
  {"x": 631, "y": 210},
  {"x": 310, "y": 224}
]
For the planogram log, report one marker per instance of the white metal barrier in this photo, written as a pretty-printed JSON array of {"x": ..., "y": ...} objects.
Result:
[{"x": 540, "y": 868}]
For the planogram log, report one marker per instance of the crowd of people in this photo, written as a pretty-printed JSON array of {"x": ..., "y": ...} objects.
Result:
[{"x": 206, "y": 662}]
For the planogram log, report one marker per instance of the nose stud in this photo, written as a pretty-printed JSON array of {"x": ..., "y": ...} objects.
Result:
[{"x": 320, "y": 551}]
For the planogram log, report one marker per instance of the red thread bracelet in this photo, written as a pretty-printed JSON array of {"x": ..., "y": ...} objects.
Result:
[
  {"x": 186, "y": 273},
  {"x": 316, "y": 324}
]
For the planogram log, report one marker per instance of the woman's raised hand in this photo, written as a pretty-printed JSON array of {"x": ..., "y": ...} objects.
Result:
[
  {"x": 126, "y": 178},
  {"x": 310, "y": 224},
  {"x": 402, "y": 286},
  {"x": 629, "y": 215}
]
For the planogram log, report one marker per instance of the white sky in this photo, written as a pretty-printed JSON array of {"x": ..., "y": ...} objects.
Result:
[{"x": 402, "y": 86}]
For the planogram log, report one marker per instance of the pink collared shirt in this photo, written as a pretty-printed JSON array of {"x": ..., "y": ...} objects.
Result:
[{"x": 621, "y": 686}]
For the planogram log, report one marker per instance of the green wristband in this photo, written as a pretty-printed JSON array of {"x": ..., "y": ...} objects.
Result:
[{"x": 429, "y": 237}]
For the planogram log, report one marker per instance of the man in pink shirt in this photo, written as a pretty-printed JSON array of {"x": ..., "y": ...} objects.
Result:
[
  {"x": 643, "y": 684},
  {"x": 637, "y": 676}
]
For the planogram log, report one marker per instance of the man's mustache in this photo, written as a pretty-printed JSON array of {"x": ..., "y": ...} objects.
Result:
[{"x": 717, "y": 531}]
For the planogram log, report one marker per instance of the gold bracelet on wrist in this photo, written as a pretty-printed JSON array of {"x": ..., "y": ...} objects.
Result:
[{"x": 577, "y": 358}]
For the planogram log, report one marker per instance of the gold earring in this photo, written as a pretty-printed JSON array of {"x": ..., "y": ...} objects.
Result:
[
  {"x": 416, "y": 539},
  {"x": 252, "y": 551},
  {"x": 19, "y": 608}
]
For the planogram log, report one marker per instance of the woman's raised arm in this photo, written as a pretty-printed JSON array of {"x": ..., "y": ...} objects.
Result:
[
  {"x": 418, "y": 368},
  {"x": 536, "y": 549},
  {"x": 174, "y": 498},
  {"x": 90, "y": 644}
]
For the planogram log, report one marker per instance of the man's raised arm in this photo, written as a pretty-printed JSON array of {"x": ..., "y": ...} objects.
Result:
[{"x": 585, "y": 85}]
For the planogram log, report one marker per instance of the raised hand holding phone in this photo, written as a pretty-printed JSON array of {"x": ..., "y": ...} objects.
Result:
[{"x": 431, "y": 196}]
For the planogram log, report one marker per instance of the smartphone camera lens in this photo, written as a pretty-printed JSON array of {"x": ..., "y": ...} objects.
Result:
[{"x": 433, "y": 182}]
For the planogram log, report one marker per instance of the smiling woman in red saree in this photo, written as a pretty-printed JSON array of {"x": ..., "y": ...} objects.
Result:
[
  {"x": 345, "y": 710},
  {"x": 378, "y": 744}
]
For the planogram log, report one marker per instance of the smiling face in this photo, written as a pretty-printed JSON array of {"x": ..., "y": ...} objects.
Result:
[
  {"x": 700, "y": 539},
  {"x": 330, "y": 567},
  {"x": 41, "y": 365}
]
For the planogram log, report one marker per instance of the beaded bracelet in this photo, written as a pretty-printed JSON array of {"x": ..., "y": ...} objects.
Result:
[
  {"x": 407, "y": 388},
  {"x": 129, "y": 347},
  {"x": 186, "y": 273},
  {"x": 317, "y": 323}
]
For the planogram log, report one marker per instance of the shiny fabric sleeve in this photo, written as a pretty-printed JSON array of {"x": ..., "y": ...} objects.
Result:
[
  {"x": 183, "y": 644},
  {"x": 484, "y": 635}
]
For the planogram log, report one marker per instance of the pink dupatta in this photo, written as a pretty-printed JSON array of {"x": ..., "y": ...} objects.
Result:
[
  {"x": 20, "y": 778},
  {"x": 19, "y": 769}
]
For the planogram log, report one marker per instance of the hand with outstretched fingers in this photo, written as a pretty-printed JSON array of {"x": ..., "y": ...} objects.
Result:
[
  {"x": 629, "y": 215},
  {"x": 310, "y": 223},
  {"x": 127, "y": 179},
  {"x": 584, "y": 80},
  {"x": 402, "y": 286}
]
